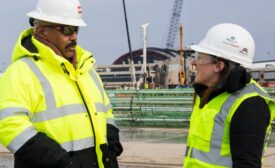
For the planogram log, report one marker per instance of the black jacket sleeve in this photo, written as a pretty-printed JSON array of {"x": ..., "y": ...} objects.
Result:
[
  {"x": 42, "y": 151},
  {"x": 114, "y": 144},
  {"x": 247, "y": 132}
]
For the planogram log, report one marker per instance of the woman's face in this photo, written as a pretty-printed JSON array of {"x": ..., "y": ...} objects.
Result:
[{"x": 207, "y": 69}]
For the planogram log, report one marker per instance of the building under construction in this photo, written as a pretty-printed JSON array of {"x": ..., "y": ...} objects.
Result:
[
  {"x": 162, "y": 69},
  {"x": 150, "y": 67},
  {"x": 167, "y": 67}
]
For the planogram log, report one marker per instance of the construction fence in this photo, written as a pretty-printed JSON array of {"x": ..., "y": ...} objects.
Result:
[{"x": 155, "y": 107}]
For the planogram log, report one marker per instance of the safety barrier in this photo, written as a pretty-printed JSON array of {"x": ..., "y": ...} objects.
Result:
[{"x": 150, "y": 107}]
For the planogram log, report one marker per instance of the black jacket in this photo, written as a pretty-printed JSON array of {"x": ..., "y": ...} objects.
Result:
[
  {"x": 43, "y": 152},
  {"x": 248, "y": 124}
]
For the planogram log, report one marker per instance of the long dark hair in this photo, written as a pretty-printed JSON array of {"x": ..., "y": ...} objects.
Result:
[{"x": 223, "y": 74}]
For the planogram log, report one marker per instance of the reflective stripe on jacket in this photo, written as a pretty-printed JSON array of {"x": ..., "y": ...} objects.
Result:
[
  {"x": 43, "y": 92},
  {"x": 208, "y": 143}
]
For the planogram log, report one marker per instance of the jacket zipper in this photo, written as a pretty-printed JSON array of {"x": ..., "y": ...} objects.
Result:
[
  {"x": 90, "y": 117},
  {"x": 85, "y": 104}
]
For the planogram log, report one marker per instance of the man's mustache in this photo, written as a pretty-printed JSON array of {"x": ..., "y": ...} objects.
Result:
[{"x": 72, "y": 44}]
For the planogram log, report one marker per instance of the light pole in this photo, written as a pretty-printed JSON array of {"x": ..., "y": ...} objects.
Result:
[{"x": 144, "y": 29}]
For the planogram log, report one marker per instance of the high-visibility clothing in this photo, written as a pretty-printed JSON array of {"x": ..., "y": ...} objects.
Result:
[
  {"x": 43, "y": 92},
  {"x": 146, "y": 86},
  {"x": 208, "y": 144}
]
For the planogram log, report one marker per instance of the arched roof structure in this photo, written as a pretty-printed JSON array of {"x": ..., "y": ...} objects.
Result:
[{"x": 153, "y": 54}]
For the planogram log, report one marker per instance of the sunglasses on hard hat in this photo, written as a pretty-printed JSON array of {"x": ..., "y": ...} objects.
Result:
[{"x": 66, "y": 30}]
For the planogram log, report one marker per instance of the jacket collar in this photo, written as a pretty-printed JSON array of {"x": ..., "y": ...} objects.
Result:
[
  {"x": 27, "y": 45},
  {"x": 236, "y": 80}
]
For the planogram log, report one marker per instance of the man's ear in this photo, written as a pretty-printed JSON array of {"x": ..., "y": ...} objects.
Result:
[
  {"x": 40, "y": 32},
  {"x": 219, "y": 66}
]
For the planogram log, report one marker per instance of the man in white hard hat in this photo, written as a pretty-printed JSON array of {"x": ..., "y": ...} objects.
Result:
[
  {"x": 232, "y": 114},
  {"x": 54, "y": 112}
]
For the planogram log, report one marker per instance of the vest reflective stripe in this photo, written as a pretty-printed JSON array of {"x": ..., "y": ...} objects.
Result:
[
  {"x": 13, "y": 111},
  {"x": 22, "y": 138},
  {"x": 58, "y": 112},
  {"x": 48, "y": 91},
  {"x": 108, "y": 107},
  {"x": 53, "y": 112},
  {"x": 78, "y": 144},
  {"x": 267, "y": 136},
  {"x": 102, "y": 108},
  {"x": 112, "y": 122},
  {"x": 97, "y": 82},
  {"x": 266, "y": 139},
  {"x": 213, "y": 156}
]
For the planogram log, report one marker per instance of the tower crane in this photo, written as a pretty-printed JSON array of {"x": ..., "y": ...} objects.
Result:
[
  {"x": 169, "y": 73},
  {"x": 174, "y": 24}
]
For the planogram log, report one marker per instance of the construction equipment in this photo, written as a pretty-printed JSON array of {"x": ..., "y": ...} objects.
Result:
[
  {"x": 144, "y": 67},
  {"x": 181, "y": 73},
  {"x": 174, "y": 23},
  {"x": 133, "y": 70},
  {"x": 170, "y": 69}
]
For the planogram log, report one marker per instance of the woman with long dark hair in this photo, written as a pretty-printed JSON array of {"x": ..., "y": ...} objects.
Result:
[{"x": 232, "y": 114}]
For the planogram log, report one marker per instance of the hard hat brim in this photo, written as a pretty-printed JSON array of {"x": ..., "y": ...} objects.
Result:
[
  {"x": 72, "y": 22},
  {"x": 207, "y": 50},
  {"x": 204, "y": 49}
]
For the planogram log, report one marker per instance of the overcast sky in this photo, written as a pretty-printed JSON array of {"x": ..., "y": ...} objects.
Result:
[{"x": 105, "y": 36}]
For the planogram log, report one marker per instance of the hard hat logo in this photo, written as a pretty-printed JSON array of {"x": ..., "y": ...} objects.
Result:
[
  {"x": 79, "y": 9},
  {"x": 228, "y": 41},
  {"x": 231, "y": 41},
  {"x": 244, "y": 51},
  {"x": 66, "y": 12}
]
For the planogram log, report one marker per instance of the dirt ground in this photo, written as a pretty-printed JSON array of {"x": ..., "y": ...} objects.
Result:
[
  {"x": 151, "y": 148},
  {"x": 163, "y": 155},
  {"x": 147, "y": 155}
]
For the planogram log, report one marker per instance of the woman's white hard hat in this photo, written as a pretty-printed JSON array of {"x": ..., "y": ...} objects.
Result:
[{"x": 229, "y": 41}]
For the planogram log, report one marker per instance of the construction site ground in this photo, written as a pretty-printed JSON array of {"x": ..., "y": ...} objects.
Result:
[{"x": 152, "y": 148}]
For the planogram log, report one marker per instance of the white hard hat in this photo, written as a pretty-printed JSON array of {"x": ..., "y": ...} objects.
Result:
[
  {"x": 229, "y": 41},
  {"x": 67, "y": 12}
]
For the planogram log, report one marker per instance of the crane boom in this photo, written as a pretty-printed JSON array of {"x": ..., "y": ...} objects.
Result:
[
  {"x": 174, "y": 23},
  {"x": 182, "y": 73}
]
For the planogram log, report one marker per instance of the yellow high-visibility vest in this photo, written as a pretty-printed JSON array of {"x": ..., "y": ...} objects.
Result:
[{"x": 208, "y": 143}]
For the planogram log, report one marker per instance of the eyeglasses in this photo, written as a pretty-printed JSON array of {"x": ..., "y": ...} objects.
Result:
[
  {"x": 202, "y": 58},
  {"x": 66, "y": 30}
]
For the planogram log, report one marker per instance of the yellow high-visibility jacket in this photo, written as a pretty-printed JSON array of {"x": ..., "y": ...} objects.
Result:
[
  {"x": 208, "y": 144},
  {"x": 42, "y": 92}
]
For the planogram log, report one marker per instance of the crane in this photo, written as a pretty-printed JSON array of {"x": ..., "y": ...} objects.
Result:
[
  {"x": 173, "y": 28},
  {"x": 174, "y": 24},
  {"x": 181, "y": 73},
  {"x": 132, "y": 66}
]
